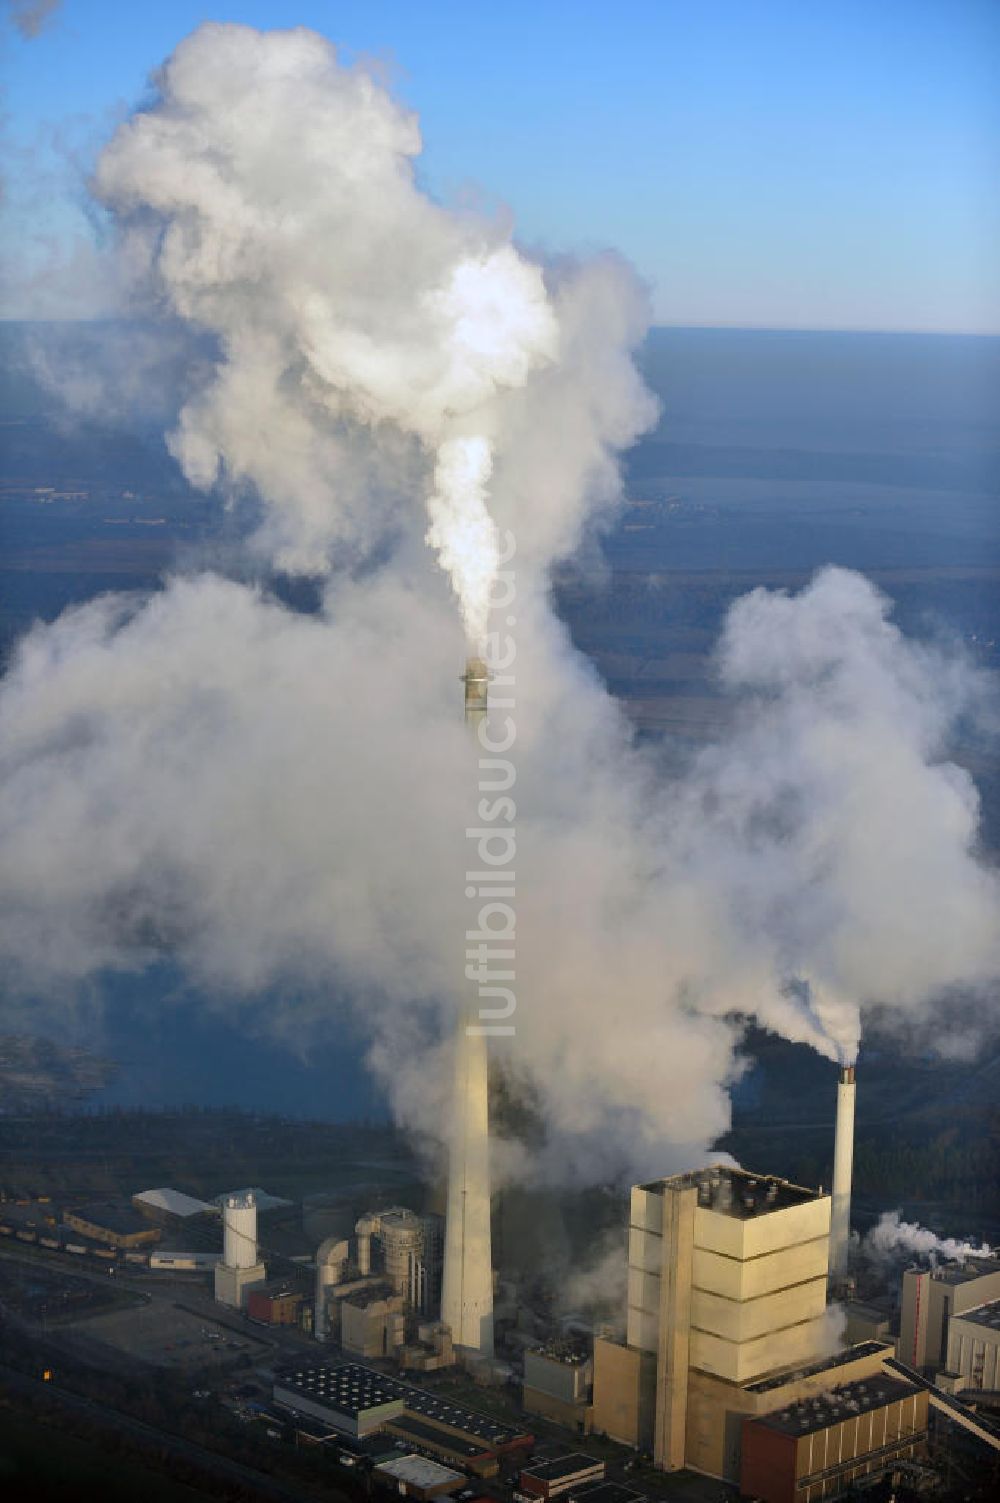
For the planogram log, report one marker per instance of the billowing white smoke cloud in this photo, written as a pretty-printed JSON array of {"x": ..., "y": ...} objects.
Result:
[
  {"x": 599, "y": 1288},
  {"x": 280, "y": 798},
  {"x": 269, "y": 197},
  {"x": 892, "y": 1235},
  {"x": 277, "y": 796},
  {"x": 873, "y": 890}
]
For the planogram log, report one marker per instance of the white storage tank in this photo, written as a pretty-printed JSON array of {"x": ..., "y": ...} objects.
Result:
[{"x": 240, "y": 1239}]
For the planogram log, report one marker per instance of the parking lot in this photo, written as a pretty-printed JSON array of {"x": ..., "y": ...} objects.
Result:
[{"x": 167, "y": 1336}]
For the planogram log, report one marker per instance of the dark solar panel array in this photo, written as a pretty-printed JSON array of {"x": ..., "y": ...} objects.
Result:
[{"x": 352, "y": 1388}]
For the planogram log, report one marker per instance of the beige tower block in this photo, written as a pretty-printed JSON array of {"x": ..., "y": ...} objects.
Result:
[{"x": 759, "y": 1264}]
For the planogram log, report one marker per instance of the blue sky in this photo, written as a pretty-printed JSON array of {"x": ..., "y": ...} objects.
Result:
[{"x": 784, "y": 163}]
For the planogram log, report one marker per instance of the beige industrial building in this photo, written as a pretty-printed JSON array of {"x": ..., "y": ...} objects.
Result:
[
  {"x": 974, "y": 1348},
  {"x": 932, "y": 1298},
  {"x": 373, "y": 1322},
  {"x": 727, "y": 1287},
  {"x": 817, "y": 1448},
  {"x": 432, "y": 1349},
  {"x": 557, "y": 1384}
]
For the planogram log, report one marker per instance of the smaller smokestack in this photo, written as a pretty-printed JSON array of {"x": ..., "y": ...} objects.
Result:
[
  {"x": 843, "y": 1165},
  {"x": 476, "y": 679}
]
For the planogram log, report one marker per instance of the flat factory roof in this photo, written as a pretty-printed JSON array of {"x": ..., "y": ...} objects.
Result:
[
  {"x": 350, "y": 1389},
  {"x": 418, "y": 1401},
  {"x": 603, "y": 1492},
  {"x": 425, "y": 1432},
  {"x": 736, "y": 1192},
  {"x": 825, "y": 1364},
  {"x": 965, "y": 1273},
  {"x": 819, "y": 1413},
  {"x": 419, "y": 1471},
  {"x": 174, "y": 1201},
  {"x": 983, "y": 1315},
  {"x": 564, "y": 1466},
  {"x": 110, "y": 1217},
  {"x": 568, "y": 1356}
]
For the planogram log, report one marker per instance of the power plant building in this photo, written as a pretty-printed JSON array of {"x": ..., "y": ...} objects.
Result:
[
  {"x": 332, "y": 1259},
  {"x": 557, "y": 1384},
  {"x": 727, "y": 1288},
  {"x": 373, "y": 1322},
  {"x": 932, "y": 1297},
  {"x": 818, "y": 1447},
  {"x": 974, "y": 1348},
  {"x": 407, "y": 1250}
]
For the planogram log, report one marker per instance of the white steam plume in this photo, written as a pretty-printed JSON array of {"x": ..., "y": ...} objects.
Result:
[
  {"x": 462, "y": 530},
  {"x": 599, "y": 1288},
  {"x": 208, "y": 773},
  {"x": 269, "y": 197},
  {"x": 893, "y": 1235}
]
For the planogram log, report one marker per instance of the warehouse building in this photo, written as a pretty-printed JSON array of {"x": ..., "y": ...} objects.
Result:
[
  {"x": 818, "y": 1447},
  {"x": 550, "y": 1479},
  {"x": 356, "y": 1401},
  {"x": 165, "y": 1204},
  {"x": 176, "y": 1260},
  {"x": 275, "y": 1305},
  {"x": 418, "y": 1477},
  {"x": 351, "y": 1399},
  {"x": 115, "y": 1225}
]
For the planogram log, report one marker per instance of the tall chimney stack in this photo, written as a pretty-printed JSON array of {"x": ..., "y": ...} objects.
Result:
[
  {"x": 467, "y": 1289},
  {"x": 476, "y": 679},
  {"x": 467, "y": 1283},
  {"x": 843, "y": 1164}
]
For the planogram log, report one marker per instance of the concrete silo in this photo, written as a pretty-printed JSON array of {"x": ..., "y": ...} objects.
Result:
[{"x": 240, "y": 1269}]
